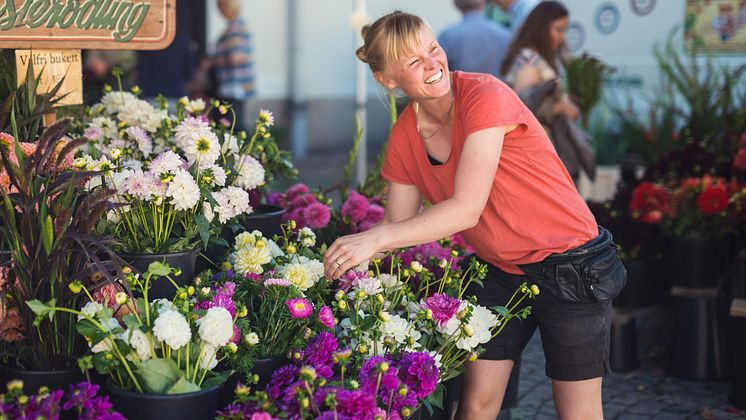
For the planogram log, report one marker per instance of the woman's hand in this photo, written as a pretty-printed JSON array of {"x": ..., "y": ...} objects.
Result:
[{"x": 348, "y": 252}]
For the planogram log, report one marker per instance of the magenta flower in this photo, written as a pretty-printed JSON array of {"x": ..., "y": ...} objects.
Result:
[
  {"x": 236, "y": 338},
  {"x": 299, "y": 307},
  {"x": 326, "y": 317},
  {"x": 303, "y": 201},
  {"x": 444, "y": 307},
  {"x": 375, "y": 213},
  {"x": 355, "y": 207},
  {"x": 281, "y": 378},
  {"x": 320, "y": 349},
  {"x": 358, "y": 404},
  {"x": 275, "y": 199},
  {"x": 261, "y": 416},
  {"x": 317, "y": 216},
  {"x": 296, "y": 191},
  {"x": 419, "y": 372}
]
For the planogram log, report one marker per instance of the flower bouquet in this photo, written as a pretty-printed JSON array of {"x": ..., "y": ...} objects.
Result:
[
  {"x": 321, "y": 383},
  {"x": 283, "y": 288},
  {"x": 82, "y": 401},
  {"x": 158, "y": 347},
  {"x": 390, "y": 312},
  {"x": 306, "y": 208}
]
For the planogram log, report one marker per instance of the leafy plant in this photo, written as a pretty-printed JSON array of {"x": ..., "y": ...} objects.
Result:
[
  {"x": 585, "y": 76},
  {"x": 47, "y": 226}
]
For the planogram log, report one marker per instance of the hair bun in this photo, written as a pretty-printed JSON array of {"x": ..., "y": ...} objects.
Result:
[{"x": 361, "y": 55}]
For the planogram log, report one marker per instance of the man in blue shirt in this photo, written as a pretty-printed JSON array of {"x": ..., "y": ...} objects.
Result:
[
  {"x": 518, "y": 11},
  {"x": 476, "y": 44}
]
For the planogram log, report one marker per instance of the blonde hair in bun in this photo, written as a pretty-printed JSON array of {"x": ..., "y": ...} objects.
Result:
[{"x": 389, "y": 38}]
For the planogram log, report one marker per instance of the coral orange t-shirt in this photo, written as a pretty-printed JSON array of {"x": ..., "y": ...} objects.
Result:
[{"x": 533, "y": 210}]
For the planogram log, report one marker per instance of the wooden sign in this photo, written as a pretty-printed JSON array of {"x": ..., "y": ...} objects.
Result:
[
  {"x": 53, "y": 66},
  {"x": 87, "y": 24}
]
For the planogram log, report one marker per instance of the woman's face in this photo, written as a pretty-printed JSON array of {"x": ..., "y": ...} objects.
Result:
[
  {"x": 422, "y": 73},
  {"x": 557, "y": 32}
]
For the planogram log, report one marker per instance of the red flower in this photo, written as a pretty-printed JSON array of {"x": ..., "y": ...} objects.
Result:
[
  {"x": 650, "y": 203},
  {"x": 713, "y": 200}
]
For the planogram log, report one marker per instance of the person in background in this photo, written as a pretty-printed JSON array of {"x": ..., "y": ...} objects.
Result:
[
  {"x": 518, "y": 10},
  {"x": 233, "y": 62},
  {"x": 476, "y": 44},
  {"x": 166, "y": 72},
  {"x": 534, "y": 68},
  {"x": 467, "y": 144}
]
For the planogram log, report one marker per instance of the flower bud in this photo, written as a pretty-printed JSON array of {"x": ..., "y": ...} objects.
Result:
[
  {"x": 177, "y": 271},
  {"x": 184, "y": 101},
  {"x": 76, "y": 287},
  {"x": 442, "y": 263},
  {"x": 406, "y": 412},
  {"x": 121, "y": 298},
  {"x": 190, "y": 290},
  {"x": 461, "y": 314},
  {"x": 291, "y": 249},
  {"x": 183, "y": 295},
  {"x": 79, "y": 163},
  {"x": 126, "y": 270},
  {"x": 339, "y": 295},
  {"x": 534, "y": 290},
  {"x": 215, "y": 103},
  {"x": 469, "y": 331},
  {"x": 406, "y": 272},
  {"x": 296, "y": 355},
  {"x": 109, "y": 356},
  {"x": 232, "y": 347},
  {"x": 243, "y": 311},
  {"x": 293, "y": 225},
  {"x": 242, "y": 389},
  {"x": 403, "y": 391},
  {"x": 354, "y": 384},
  {"x": 222, "y": 109},
  {"x": 383, "y": 367},
  {"x": 389, "y": 341},
  {"x": 448, "y": 279},
  {"x": 23, "y": 400},
  {"x": 205, "y": 291},
  {"x": 416, "y": 266},
  {"x": 226, "y": 266},
  {"x": 136, "y": 90},
  {"x": 15, "y": 385},
  {"x": 454, "y": 253},
  {"x": 473, "y": 357},
  {"x": 116, "y": 153},
  {"x": 242, "y": 135},
  {"x": 307, "y": 333},
  {"x": 380, "y": 299},
  {"x": 43, "y": 391},
  {"x": 107, "y": 88},
  {"x": 308, "y": 373},
  {"x": 361, "y": 294},
  {"x": 362, "y": 349},
  {"x": 342, "y": 305},
  {"x": 429, "y": 314},
  {"x": 384, "y": 316}
]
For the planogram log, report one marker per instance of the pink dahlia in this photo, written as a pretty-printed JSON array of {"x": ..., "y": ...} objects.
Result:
[
  {"x": 317, "y": 216},
  {"x": 326, "y": 317},
  {"x": 444, "y": 307}
]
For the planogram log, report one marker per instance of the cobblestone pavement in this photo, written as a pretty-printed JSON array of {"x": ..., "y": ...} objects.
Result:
[{"x": 641, "y": 394}]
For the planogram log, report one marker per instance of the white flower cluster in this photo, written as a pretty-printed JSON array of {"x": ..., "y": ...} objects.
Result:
[
  {"x": 252, "y": 251},
  {"x": 478, "y": 330},
  {"x": 250, "y": 173},
  {"x": 199, "y": 143},
  {"x": 307, "y": 237},
  {"x": 172, "y": 328},
  {"x": 231, "y": 202}
]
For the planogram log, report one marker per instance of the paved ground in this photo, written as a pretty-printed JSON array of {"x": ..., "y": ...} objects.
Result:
[{"x": 641, "y": 394}]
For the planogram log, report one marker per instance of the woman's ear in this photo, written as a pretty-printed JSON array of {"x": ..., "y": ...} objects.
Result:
[{"x": 384, "y": 81}]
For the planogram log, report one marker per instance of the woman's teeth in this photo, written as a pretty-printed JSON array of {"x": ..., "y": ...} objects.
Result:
[{"x": 434, "y": 78}]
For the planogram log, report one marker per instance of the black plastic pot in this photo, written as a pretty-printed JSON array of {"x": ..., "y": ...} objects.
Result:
[
  {"x": 265, "y": 367},
  {"x": 193, "y": 405},
  {"x": 162, "y": 288},
  {"x": 698, "y": 262},
  {"x": 35, "y": 379},
  {"x": 266, "y": 219},
  {"x": 647, "y": 283}
]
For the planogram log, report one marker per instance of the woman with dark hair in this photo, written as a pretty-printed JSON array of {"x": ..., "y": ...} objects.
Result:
[{"x": 534, "y": 68}]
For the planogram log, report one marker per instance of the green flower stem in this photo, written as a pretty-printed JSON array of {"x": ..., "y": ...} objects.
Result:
[
  {"x": 312, "y": 399},
  {"x": 116, "y": 348},
  {"x": 186, "y": 366},
  {"x": 196, "y": 366}
]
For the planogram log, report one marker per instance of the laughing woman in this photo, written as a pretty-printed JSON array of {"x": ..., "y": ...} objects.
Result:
[{"x": 468, "y": 145}]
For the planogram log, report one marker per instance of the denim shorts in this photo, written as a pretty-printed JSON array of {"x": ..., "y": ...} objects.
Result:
[{"x": 575, "y": 336}]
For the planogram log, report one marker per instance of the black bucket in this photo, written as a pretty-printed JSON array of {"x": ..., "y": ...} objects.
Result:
[{"x": 162, "y": 288}]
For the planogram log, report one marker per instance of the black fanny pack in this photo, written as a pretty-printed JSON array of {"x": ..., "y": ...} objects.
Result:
[{"x": 590, "y": 273}]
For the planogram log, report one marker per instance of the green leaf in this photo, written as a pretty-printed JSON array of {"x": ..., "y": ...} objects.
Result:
[
  {"x": 501, "y": 310},
  {"x": 436, "y": 398},
  {"x": 183, "y": 386},
  {"x": 159, "y": 269},
  {"x": 203, "y": 227},
  {"x": 158, "y": 376},
  {"x": 86, "y": 328},
  {"x": 48, "y": 234},
  {"x": 216, "y": 378},
  {"x": 131, "y": 321},
  {"x": 39, "y": 308}
]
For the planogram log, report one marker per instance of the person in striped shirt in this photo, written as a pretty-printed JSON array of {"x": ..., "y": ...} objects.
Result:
[{"x": 234, "y": 60}]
